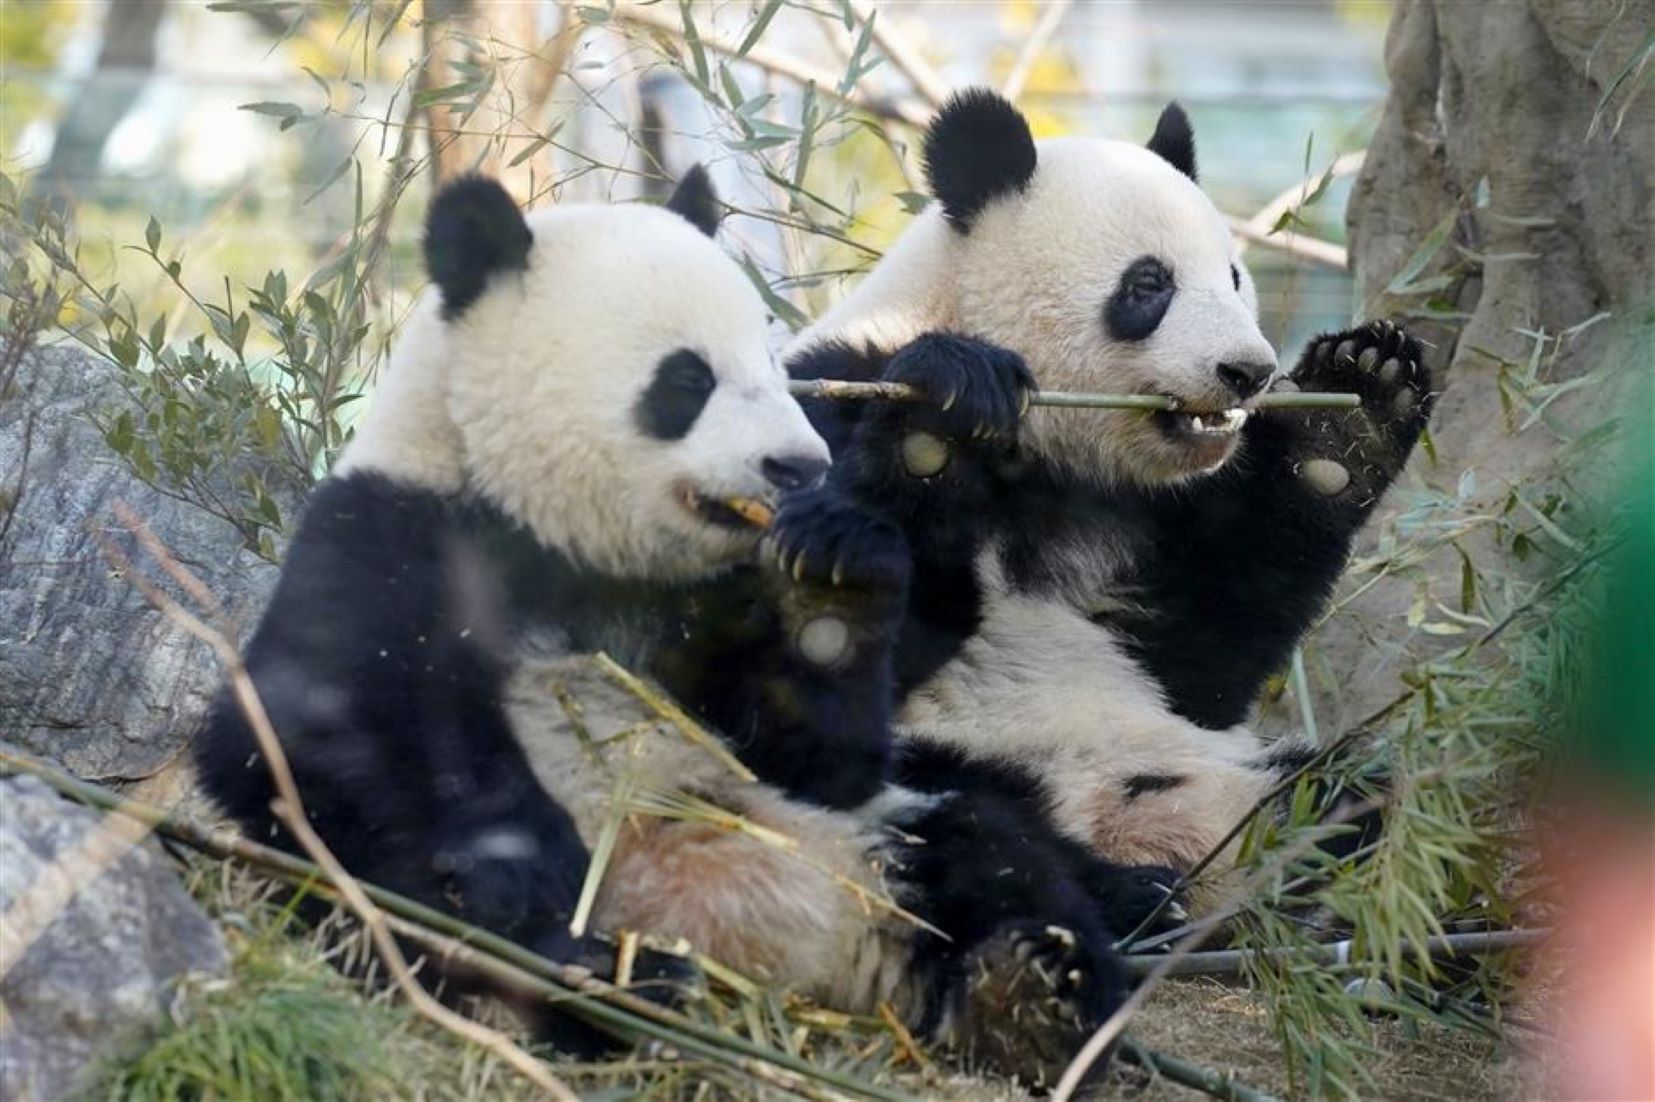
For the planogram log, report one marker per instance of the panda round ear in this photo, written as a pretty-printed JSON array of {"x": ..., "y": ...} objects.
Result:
[
  {"x": 473, "y": 230},
  {"x": 1174, "y": 140},
  {"x": 695, "y": 200},
  {"x": 977, "y": 149}
]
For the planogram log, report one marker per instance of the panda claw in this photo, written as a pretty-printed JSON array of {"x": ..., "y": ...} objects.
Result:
[
  {"x": 798, "y": 570},
  {"x": 839, "y": 571},
  {"x": 1369, "y": 359},
  {"x": 1345, "y": 353},
  {"x": 948, "y": 402}
]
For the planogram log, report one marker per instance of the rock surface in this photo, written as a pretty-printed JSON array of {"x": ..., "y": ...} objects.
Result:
[
  {"x": 90, "y": 674},
  {"x": 106, "y": 965}
]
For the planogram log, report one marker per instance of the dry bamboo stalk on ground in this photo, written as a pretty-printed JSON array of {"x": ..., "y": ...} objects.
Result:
[
  {"x": 1223, "y": 962},
  {"x": 846, "y": 390}
]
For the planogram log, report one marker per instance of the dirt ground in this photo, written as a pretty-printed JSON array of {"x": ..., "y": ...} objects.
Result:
[{"x": 1227, "y": 1030}]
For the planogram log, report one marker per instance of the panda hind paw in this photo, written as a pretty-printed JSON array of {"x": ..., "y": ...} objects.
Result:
[{"x": 1028, "y": 998}]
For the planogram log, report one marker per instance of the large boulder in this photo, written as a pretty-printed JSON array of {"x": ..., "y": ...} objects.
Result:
[
  {"x": 104, "y": 967},
  {"x": 90, "y": 674}
]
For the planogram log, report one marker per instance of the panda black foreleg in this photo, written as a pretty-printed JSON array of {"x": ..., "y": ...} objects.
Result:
[
  {"x": 838, "y": 576},
  {"x": 1243, "y": 561}
]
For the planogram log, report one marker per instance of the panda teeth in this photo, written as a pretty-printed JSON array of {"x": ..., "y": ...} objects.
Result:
[{"x": 1221, "y": 424}]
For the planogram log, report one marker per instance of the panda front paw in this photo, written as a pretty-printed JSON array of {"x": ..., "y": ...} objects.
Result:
[
  {"x": 1356, "y": 453},
  {"x": 823, "y": 539},
  {"x": 1129, "y": 896},
  {"x": 1028, "y": 997},
  {"x": 973, "y": 392}
]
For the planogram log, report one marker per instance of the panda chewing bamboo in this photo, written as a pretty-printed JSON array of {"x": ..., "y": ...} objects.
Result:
[{"x": 1098, "y": 598}]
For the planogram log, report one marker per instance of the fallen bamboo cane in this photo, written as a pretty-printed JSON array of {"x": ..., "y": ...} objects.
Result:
[
  {"x": 1223, "y": 962},
  {"x": 615, "y": 1011},
  {"x": 846, "y": 390}
]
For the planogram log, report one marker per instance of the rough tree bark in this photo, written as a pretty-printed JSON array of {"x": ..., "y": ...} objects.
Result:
[{"x": 1521, "y": 94}]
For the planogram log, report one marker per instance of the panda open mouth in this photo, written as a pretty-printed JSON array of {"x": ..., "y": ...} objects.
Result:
[
  {"x": 1206, "y": 438},
  {"x": 1188, "y": 423},
  {"x": 744, "y": 514}
]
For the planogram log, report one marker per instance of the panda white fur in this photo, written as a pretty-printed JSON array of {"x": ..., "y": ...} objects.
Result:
[
  {"x": 1099, "y": 595},
  {"x": 546, "y": 473}
]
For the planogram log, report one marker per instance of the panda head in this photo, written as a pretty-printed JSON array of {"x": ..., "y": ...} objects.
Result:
[
  {"x": 1107, "y": 268},
  {"x": 610, "y": 378}
]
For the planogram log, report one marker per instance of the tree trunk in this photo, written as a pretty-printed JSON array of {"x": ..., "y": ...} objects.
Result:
[
  {"x": 1505, "y": 124},
  {"x": 126, "y": 59}
]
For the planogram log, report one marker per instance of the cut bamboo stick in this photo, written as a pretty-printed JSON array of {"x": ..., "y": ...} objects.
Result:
[{"x": 846, "y": 390}]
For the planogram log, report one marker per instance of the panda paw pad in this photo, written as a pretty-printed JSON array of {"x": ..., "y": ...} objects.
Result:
[
  {"x": 1355, "y": 453},
  {"x": 974, "y": 391}
]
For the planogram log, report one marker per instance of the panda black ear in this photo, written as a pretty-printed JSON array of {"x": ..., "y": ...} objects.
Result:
[
  {"x": 473, "y": 230},
  {"x": 1174, "y": 140},
  {"x": 695, "y": 200},
  {"x": 977, "y": 149}
]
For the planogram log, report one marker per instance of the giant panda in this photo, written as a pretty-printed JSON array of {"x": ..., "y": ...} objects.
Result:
[
  {"x": 1098, "y": 596},
  {"x": 579, "y": 426}
]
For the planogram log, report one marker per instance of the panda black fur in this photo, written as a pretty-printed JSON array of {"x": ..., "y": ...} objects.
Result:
[
  {"x": 540, "y": 477},
  {"x": 1099, "y": 595}
]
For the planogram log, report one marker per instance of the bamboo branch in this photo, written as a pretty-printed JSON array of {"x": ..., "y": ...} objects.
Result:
[
  {"x": 845, "y": 390},
  {"x": 925, "y": 79},
  {"x": 602, "y": 1005},
  {"x": 1190, "y": 1075},
  {"x": 1226, "y": 962},
  {"x": 1307, "y": 248},
  {"x": 1050, "y": 19},
  {"x": 289, "y": 808},
  {"x": 825, "y": 80}
]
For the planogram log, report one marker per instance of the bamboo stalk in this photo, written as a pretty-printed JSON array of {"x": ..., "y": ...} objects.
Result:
[
  {"x": 1190, "y": 1075},
  {"x": 617, "y": 1012},
  {"x": 846, "y": 390},
  {"x": 1226, "y": 962}
]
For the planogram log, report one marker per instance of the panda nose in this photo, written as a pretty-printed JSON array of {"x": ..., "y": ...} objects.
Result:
[
  {"x": 793, "y": 472},
  {"x": 1245, "y": 379}
]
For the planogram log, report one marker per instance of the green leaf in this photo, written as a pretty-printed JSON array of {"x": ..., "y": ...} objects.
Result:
[
  {"x": 152, "y": 234},
  {"x": 753, "y": 145},
  {"x": 333, "y": 177},
  {"x": 912, "y": 201},
  {"x": 592, "y": 17},
  {"x": 757, "y": 30},
  {"x": 692, "y": 39},
  {"x": 274, "y": 108},
  {"x": 1427, "y": 251}
]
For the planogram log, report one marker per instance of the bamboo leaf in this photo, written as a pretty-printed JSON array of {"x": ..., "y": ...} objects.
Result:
[{"x": 758, "y": 28}]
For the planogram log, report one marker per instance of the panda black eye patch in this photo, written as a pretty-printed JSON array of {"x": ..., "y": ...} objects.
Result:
[
  {"x": 668, "y": 408},
  {"x": 1140, "y": 300}
]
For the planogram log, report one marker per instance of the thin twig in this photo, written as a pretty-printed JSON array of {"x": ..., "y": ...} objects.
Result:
[
  {"x": 1050, "y": 19},
  {"x": 1226, "y": 962},
  {"x": 846, "y": 390},
  {"x": 289, "y": 808}
]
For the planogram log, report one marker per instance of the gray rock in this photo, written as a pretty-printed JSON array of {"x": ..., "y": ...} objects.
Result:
[
  {"x": 106, "y": 965},
  {"x": 90, "y": 674}
]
